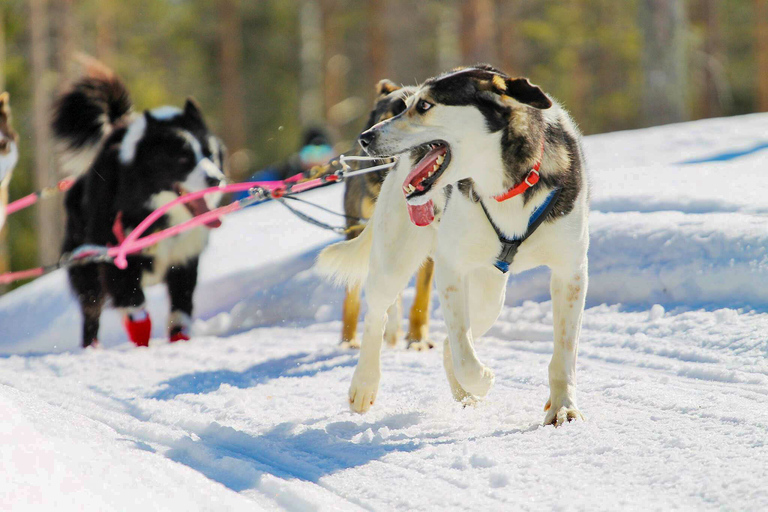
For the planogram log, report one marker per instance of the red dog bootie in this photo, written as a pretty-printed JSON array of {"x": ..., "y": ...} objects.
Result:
[
  {"x": 179, "y": 335},
  {"x": 138, "y": 325},
  {"x": 178, "y": 326}
]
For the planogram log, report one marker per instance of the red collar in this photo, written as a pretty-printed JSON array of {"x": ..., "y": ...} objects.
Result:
[{"x": 528, "y": 182}]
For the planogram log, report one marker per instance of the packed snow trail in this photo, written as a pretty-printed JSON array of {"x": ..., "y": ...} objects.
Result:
[{"x": 252, "y": 413}]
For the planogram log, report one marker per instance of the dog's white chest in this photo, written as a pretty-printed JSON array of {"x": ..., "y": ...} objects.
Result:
[{"x": 176, "y": 250}]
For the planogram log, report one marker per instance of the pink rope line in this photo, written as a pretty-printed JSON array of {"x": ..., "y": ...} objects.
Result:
[
  {"x": 29, "y": 200},
  {"x": 10, "y": 277},
  {"x": 132, "y": 243},
  {"x": 22, "y": 203}
]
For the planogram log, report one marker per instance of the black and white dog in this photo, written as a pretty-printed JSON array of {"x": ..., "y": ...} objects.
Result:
[
  {"x": 490, "y": 179},
  {"x": 133, "y": 164}
]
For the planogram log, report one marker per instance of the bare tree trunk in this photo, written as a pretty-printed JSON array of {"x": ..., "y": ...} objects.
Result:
[
  {"x": 311, "y": 30},
  {"x": 231, "y": 40},
  {"x": 5, "y": 257},
  {"x": 50, "y": 224},
  {"x": 337, "y": 65},
  {"x": 65, "y": 32},
  {"x": 378, "y": 45},
  {"x": 510, "y": 48},
  {"x": 663, "y": 24},
  {"x": 105, "y": 30},
  {"x": 761, "y": 15},
  {"x": 448, "y": 26},
  {"x": 710, "y": 69},
  {"x": 479, "y": 31}
]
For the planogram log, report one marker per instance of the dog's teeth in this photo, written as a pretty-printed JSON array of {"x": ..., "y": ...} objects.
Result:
[
  {"x": 435, "y": 167},
  {"x": 440, "y": 159}
]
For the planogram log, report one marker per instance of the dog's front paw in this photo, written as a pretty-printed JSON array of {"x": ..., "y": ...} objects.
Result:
[
  {"x": 363, "y": 390},
  {"x": 565, "y": 411},
  {"x": 476, "y": 380},
  {"x": 420, "y": 345}
]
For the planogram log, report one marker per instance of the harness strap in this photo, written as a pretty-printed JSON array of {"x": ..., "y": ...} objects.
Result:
[{"x": 509, "y": 246}]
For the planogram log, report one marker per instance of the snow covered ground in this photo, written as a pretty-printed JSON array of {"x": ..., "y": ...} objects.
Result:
[{"x": 252, "y": 413}]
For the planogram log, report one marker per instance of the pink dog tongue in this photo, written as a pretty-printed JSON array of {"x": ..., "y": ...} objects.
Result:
[
  {"x": 198, "y": 207},
  {"x": 423, "y": 214}
]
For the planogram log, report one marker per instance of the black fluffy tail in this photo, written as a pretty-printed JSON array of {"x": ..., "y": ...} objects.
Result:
[{"x": 86, "y": 114}]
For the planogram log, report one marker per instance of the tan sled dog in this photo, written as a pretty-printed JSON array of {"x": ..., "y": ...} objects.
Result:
[{"x": 359, "y": 200}]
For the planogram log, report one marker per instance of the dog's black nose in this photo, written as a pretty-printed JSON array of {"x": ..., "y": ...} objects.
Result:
[{"x": 366, "y": 138}]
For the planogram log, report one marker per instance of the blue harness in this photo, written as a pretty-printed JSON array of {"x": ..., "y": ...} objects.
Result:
[{"x": 509, "y": 246}]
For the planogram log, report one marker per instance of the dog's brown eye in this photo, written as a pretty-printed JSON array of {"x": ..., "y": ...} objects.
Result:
[{"x": 422, "y": 106}]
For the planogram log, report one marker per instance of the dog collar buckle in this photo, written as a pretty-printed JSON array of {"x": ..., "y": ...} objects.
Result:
[{"x": 532, "y": 178}]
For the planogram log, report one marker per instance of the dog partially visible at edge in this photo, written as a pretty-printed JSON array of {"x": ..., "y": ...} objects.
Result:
[
  {"x": 131, "y": 164},
  {"x": 360, "y": 197},
  {"x": 9, "y": 152},
  {"x": 490, "y": 179}
]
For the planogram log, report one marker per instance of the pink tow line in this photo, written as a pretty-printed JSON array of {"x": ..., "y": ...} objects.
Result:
[
  {"x": 32, "y": 198},
  {"x": 132, "y": 243}
]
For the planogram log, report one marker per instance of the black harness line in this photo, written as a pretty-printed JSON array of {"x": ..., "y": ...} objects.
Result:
[{"x": 509, "y": 246}]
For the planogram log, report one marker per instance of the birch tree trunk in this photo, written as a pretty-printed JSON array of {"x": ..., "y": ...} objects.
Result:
[
  {"x": 311, "y": 32},
  {"x": 663, "y": 25},
  {"x": 479, "y": 32},
  {"x": 233, "y": 102},
  {"x": 50, "y": 218}
]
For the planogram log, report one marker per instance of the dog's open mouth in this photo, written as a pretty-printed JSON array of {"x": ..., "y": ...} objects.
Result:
[
  {"x": 432, "y": 160},
  {"x": 197, "y": 206}
]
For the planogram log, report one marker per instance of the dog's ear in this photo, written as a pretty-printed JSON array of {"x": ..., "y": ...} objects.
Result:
[
  {"x": 385, "y": 87},
  {"x": 525, "y": 92},
  {"x": 5, "y": 104},
  {"x": 192, "y": 110}
]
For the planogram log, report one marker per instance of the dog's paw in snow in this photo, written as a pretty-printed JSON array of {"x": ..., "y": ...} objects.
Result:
[
  {"x": 565, "y": 411},
  {"x": 420, "y": 345},
  {"x": 363, "y": 390},
  {"x": 477, "y": 380},
  {"x": 350, "y": 344}
]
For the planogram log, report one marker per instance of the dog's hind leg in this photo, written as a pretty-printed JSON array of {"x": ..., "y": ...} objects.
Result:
[
  {"x": 350, "y": 314},
  {"x": 125, "y": 288},
  {"x": 392, "y": 330},
  {"x": 181, "y": 281},
  {"x": 569, "y": 290},
  {"x": 453, "y": 287},
  {"x": 418, "y": 330},
  {"x": 90, "y": 295}
]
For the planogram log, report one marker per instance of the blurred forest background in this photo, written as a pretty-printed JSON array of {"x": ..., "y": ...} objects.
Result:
[{"x": 263, "y": 69}]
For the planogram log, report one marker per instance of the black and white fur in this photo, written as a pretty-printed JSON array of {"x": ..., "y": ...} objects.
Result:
[
  {"x": 132, "y": 164},
  {"x": 493, "y": 127}
]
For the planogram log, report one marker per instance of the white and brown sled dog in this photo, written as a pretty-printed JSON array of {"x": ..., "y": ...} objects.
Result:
[{"x": 490, "y": 180}]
